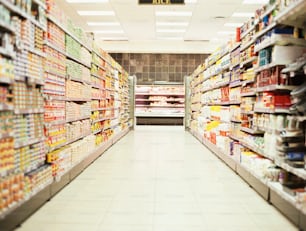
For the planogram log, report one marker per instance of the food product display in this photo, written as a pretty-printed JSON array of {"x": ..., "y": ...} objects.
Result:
[
  {"x": 77, "y": 129},
  {"x": 52, "y": 95},
  {"x": 265, "y": 94},
  {"x": 60, "y": 161},
  {"x": 77, "y": 111},
  {"x": 29, "y": 158},
  {"x": 27, "y": 97}
]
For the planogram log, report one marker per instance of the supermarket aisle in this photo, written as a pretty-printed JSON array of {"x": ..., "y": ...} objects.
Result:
[{"x": 157, "y": 179}]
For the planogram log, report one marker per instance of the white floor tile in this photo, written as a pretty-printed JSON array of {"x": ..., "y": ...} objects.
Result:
[{"x": 157, "y": 178}]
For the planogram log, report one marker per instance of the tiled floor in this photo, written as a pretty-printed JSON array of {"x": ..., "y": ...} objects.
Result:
[{"x": 157, "y": 179}]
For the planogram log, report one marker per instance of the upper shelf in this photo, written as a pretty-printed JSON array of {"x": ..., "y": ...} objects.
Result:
[
  {"x": 18, "y": 11},
  {"x": 294, "y": 15}
]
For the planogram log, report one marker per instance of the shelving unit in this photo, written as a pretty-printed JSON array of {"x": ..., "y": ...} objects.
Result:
[
  {"x": 245, "y": 135},
  {"x": 160, "y": 104},
  {"x": 46, "y": 106}
]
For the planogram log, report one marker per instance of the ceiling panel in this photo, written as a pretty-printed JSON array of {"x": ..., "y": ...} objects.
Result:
[{"x": 139, "y": 22}]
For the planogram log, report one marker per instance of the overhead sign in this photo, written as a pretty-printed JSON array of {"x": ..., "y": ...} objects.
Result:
[{"x": 161, "y": 2}]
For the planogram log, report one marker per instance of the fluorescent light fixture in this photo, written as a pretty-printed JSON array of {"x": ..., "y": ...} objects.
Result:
[
  {"x": 227, "y": 32},
  {"x": 174, "y": 13},
  {"x": 95, "y": 13},
  {"x": 103, "y": 23},
  {"x": 170, "y": 31},
  {"x": 255, "y": 2},
  {"x": 233, "y": 24},
  {"x": 171, "y": 23},
  {"x": 87, "y": 1},
  {"x": 243, "y": 15},
  {"x": 108, "y": 31}
]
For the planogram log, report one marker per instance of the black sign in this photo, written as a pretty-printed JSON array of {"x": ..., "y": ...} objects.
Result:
[{"x": 161, "y": 2}]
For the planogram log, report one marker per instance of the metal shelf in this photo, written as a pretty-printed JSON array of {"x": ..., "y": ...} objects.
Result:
[
  {"x": 265, "y": 30},
  {"x": 78, "y": 60},
  {"x": 268, "y": 66},
  {"x": 55, "y": 122},
  {"x": 248, "y": 61},
  {"x": 256, "y": 150},
  {"x": 235, "y": 83},
  {"x": 77, "y": 99},
  {"x": 7, "y": 53},
  {"x": 251, "y": 131},
  {"x": 245, "y": 94},
  {"x": 7, "y": 27},
  {"x": 233, "y": 102},
  {"x": 49, "y": 44},
  {"x": 19, "y": 144},
  {"x": 29, "y": 111},
  {"x": 278, "y": 40},
  {"x": 275, "y": 88},
  {"x": 272, "y": 111},
  {"x": 98, "y": 65},
  {"x": 77, "y": 119},
  {"x": 17, "y": 10},
  {"x": 248, "y": 31},
  {"x": 6, "y": 80},
  {"x": 77, "y": 138},
  {"x": 35, "y": 51},
  {"x": 41, "y": 4},
  {"x": 294, "y": 15},
  {"x": 296, "y": 171},
  {"x": 234, "y": 138},
  {"x": 247, "y": 45}
]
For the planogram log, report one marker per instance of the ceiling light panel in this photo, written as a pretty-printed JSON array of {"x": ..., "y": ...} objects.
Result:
[
  {"x": 103, "y": 23},
  {"x": 172, "y": 23},
  {"x": 174, "y": 13},
  {"x": 95, "y": 13},
  {"x": 87, "y": 1},
  {"x": 170, "y": 31}
]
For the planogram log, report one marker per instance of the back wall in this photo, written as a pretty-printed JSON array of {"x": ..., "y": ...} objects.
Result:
[{"x": 159, "y": 67}]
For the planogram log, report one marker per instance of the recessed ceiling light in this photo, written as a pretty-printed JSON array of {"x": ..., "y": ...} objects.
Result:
[
  {"x": 170, "y": 31},
  {"x": 95, "y": 13},
  {"x": 256, "y": 2},
  {"x": 233, "y": 24},
  {"x": 243, "y": 15},
  {"x": 87, "y": 1},
  {"x": 103, "y": 23},
  {"x": 227, "y": 32},
  {"x": 174, "y": 13},
  {"x": 171, "y": 23},
  {"x": 108, "y": 31}
]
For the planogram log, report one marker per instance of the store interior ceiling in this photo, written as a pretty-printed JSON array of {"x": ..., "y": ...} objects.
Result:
[{"x": 198, "y": 26}]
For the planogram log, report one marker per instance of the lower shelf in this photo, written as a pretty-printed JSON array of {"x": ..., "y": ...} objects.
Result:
[
  {"x": 270, "y": 191},
  {"x": 21, "y": 213}
]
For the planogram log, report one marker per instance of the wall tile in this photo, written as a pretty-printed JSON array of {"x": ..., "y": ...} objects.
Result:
[{"x": 159, "y": 67}]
